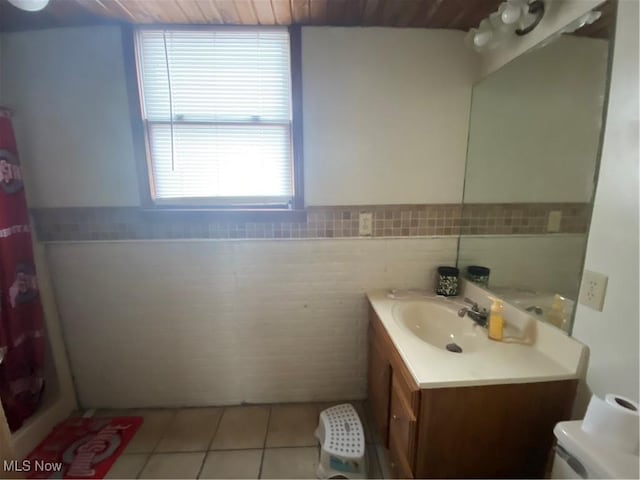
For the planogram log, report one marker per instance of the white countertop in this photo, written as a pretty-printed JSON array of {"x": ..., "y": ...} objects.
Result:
[{"x": 495, "y": 363}]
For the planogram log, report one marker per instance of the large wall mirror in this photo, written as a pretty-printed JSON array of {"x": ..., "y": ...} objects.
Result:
[{"x": 532, "y": 161}]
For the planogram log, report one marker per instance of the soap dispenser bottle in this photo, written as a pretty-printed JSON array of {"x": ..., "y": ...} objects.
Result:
[
  {"x": 556, "y": 315},
  {"x": 496, "y": 320}
]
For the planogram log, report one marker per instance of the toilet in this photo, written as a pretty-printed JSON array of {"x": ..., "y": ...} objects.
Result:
[{"x": 580, "y": 455}]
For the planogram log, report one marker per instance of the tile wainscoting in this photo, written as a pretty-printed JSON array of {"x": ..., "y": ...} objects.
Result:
[
  {"x": 197, "y": 323},
  {"x": 184, "y": 313},
  {"x": 126, "y": 223}
]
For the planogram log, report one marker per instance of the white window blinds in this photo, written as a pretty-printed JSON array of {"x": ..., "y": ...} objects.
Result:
[{"x": 217, "y": 108}]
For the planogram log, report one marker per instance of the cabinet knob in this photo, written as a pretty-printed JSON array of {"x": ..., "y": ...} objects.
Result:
[
  {"x": 392, "y": 465},
  {"x": 395, "y": 417}
]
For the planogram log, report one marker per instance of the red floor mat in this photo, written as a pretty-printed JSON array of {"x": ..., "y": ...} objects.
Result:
[{"x": 81, "y": 447}]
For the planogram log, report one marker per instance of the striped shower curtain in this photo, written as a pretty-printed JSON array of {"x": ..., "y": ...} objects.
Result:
[{"x": 21, "y": 318}]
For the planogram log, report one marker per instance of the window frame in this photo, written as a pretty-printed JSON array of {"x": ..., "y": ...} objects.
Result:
[{"x": 142, "y": 156}]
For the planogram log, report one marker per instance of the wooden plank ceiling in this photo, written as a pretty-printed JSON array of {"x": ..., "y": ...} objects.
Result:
[{"x": 453, "y": 14}]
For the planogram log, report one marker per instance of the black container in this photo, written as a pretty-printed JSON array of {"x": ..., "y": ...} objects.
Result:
[
  {"x": 447, "y": 281},
  {"x": 478, "y": 274}
]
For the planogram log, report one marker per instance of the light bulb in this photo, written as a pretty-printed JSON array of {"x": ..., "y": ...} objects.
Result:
[
  {"x": 469, "y": 37},
  {"x": 29, "y": 5},
  {"x": 482, "y": 39},
  {"x": 510, "y": 12},
  {"x": 526, "y": 18},
  {"x": 496, "y": 23},
  {"x": 587, "y": 19},
  {"x": 592, "y": 16},
  {"x": 483, "y": 35}
]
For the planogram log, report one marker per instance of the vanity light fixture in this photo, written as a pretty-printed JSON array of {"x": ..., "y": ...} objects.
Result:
[
  {"x": 518, "y": 17},
  {"x": 29, "y": 5},
  {"x": 586, "y": 19},
  {"x": 513, "y": 16}
]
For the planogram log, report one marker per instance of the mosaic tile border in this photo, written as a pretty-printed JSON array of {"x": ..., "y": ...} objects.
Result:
[
  {"x": 125, "y": 223},
  {"x": 522, "y": 218}
]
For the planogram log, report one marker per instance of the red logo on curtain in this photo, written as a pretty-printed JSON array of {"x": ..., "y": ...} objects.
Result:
[
  {"x": 25, "y": 287},
  {"x": 10, "y": 172},
  {"x": 21, "y": 317}
]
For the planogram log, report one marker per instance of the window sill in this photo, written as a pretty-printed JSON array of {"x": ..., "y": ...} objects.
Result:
[{"x": 231, "y": 215}]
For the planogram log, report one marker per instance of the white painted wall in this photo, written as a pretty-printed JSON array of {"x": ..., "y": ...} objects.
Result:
[
  {"x": 535, "y": 125},
  {"x": 612, "y": 248},
  {"x": 67, "y": 89},
  {"x": 221, "y": 322},
  {"x": 551, "y": 263},
  {"x": 386, "y": 114},
  {"x": 384, "y": 108}
]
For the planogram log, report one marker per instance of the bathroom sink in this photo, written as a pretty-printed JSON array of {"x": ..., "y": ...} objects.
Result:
[{"x": 437, "y": 323}]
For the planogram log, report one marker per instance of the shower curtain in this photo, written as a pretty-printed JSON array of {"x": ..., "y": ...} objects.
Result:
[{"x": 21, "y": 317}]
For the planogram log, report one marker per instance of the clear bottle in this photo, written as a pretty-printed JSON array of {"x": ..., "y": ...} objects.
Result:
[
  {"x": 496, "y": 320},
  {"x": 556, "y": 315}
]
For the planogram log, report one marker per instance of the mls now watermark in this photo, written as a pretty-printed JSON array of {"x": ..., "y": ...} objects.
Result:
[{"x": 31, "y": 466}]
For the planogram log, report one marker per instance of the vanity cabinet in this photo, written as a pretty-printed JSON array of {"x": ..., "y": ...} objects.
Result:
[
  {"x": 379, "y": 381},
  {"x": 488, "y": 431}
]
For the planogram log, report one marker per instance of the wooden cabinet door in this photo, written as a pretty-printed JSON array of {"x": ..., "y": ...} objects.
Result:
[
  {"x": 402, "y": 429},
  {"x": 397, "y": 464},
  {"x": 379, "y": 384}
]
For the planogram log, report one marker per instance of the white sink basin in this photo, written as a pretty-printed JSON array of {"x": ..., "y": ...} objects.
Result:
[
  {"x": 438, "y": 324},
  {"x": 421, "y": 326}
]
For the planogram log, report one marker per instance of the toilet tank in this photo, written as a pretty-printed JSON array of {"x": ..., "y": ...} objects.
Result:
[{"x": 579, "y": 455}]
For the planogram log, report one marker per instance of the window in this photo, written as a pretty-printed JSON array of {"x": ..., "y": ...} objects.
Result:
[{"x": 216, "y": 105}]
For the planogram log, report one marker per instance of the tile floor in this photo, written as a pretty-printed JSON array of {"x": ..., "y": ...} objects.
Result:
[{"x": 264, "y": 441}]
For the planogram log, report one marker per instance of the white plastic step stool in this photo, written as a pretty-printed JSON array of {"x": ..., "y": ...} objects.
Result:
[{"x": 342, "y": 445}]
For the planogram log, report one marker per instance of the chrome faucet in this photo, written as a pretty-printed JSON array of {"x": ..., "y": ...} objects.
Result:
[
  {"x": 475, "y": 313},
  {"x": 535, "y": 308}
]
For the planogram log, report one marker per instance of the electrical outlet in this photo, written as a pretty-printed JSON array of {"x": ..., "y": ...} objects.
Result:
[
  {"x": 553, "y": 222},
  {"x": 365, "y": 224},
  {"x": 593, "y": 290}
]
